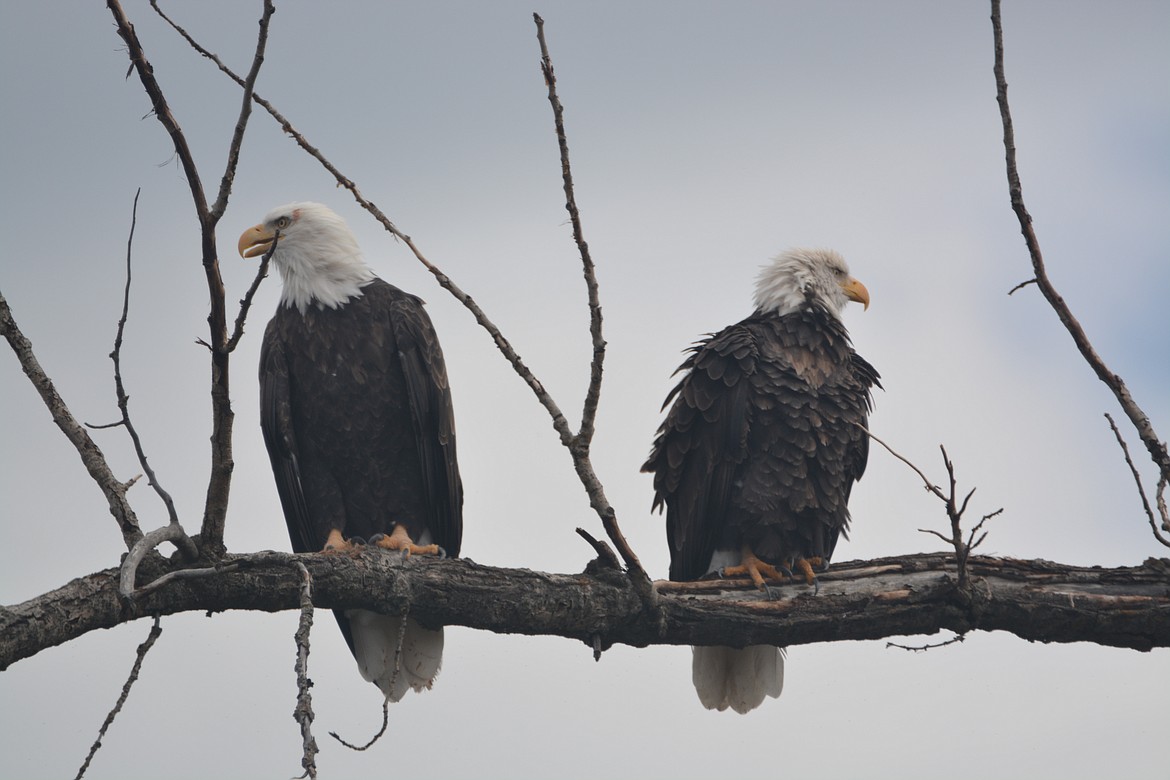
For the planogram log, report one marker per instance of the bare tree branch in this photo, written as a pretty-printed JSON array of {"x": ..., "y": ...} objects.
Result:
[
  {"x": 593, "y": 393},
  {"x": 91, "y": 455},
  {"x": 580, "y": 445},
  {"x": 303, "y": 713},
  {"x": 955, "y": 510},
  {"x": 186, "y": 546},
  {"x": 1137, "y": 478},
  {"x": 246, "y": 301},
  {"x": 143, "y": 649},
  {"x": 171, "y": 532},
  {"x": 222, "y": 464},
  {"x": 229, "y": 174},
  {"x": 1035, "y": 600},
  {"x": 1157, "y": 448}
]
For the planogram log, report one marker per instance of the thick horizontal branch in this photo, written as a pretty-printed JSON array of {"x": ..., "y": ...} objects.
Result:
[{"x": 1036, "y": 600}]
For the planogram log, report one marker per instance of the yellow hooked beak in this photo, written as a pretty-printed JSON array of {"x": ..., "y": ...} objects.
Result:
[
  {"x": 256, "y": 240},
  {"x": 854, "y": 290}
]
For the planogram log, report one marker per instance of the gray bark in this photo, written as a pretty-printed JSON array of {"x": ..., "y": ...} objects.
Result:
[{"x": 1036, "y": 600}]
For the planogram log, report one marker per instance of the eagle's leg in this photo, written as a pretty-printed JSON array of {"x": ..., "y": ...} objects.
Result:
[
  {"x": 752, "y": 566},
  {"x": 399, "y": 539}
]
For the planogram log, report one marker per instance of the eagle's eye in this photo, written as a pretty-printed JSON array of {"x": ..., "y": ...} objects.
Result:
[{"x": 283, "y": 222}]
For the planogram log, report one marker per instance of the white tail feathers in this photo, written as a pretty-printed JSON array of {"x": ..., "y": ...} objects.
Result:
[
  {"x": 375, "y": 645},
  {"x": 729, "y": 677}
]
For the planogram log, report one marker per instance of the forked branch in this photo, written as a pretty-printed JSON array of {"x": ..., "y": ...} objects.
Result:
[
  {"x": 577, "y": 444},
  {"x": 219, "y": 483},
  {"x": 955, "y": 509}
]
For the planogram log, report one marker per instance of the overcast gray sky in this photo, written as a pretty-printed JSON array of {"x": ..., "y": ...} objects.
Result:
[{"x": 705, "y": 138}]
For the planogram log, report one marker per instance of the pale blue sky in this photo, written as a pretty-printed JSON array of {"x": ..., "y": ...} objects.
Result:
[{"x": 705, "y": 138}]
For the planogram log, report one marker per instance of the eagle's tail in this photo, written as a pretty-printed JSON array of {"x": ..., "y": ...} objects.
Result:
[
  {"x": 730, "y": 677},
  {"x": 375, "y": 646}
]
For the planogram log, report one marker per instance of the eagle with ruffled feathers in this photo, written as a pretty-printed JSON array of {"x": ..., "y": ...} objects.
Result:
[
  {"x": 757, "y": 456},
  {"x": 356, "y": 414}
]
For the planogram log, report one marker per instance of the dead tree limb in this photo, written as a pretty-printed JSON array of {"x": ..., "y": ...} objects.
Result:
[
  {"x": 1036, "y": 600},
  {"x": 91, "y": 455},
  {"x": 579, "y": 447},
  {"x": 1157, "y": 448},
  {"x": 143, "y": 649},
  {"x": 222, "y": 464}
]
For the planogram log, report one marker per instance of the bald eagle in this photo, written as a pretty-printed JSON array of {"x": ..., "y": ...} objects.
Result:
[
  {"x": 356, "y": 414},
  {"x": 759, "y": 452}
]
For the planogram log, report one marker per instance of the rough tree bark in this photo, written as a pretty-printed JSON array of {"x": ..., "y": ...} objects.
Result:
[{"x": 1036, "y": 600}]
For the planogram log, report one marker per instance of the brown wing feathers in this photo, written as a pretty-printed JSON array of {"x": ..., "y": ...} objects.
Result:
[{"x": 760, "y": 444}]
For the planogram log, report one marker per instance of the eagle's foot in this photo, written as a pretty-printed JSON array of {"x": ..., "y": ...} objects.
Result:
[
  {"x": 805, "y": 567},
  {"x": 399, "y": 539},
  {"x": 755, "y": 568},
  {"x": 337, "y": 544}
]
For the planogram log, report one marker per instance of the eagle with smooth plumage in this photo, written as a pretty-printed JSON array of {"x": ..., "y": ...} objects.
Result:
[
  {"x": 758, "y": 454},
  {"x": 356, "y": 414}
]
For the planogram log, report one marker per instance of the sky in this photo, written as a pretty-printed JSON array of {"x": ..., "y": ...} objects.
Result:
[{"x": 705, "y": 138}]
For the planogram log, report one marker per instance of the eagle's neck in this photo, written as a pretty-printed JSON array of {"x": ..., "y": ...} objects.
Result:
[
  {"x": 791, "y": 284},
  {"x": 328, "y": 279}
]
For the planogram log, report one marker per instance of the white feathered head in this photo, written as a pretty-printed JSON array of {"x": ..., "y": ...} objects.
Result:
[
  {"x": 316, "y": 254},
  {"x": 801, "y": 278}
]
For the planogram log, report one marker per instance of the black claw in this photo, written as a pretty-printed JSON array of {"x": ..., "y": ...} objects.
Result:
[
  {"x": 442, "y": 554},
  {"x": 357, "y": 541},
  {"x": 376, "y": 538}
]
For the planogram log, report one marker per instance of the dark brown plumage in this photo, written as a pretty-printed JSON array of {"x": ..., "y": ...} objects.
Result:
[
  {"x": 357, "y": 418},
  {"x": 758, "y": 454},
  {"x": 760, "y": 446}
]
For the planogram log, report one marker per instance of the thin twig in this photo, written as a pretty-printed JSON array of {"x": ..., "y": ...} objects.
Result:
[
  {"x": 246, "y": 301},
  {"x": 229, "y": 173},
  {"x": 120, "y": 389},
  {"x": 954, "y": 509},
  {"x": 605, "y": 554},
  {"x": 930, "y": 486},
  {"x": 173, "y": 531},
  {"x": 1157, "y": 448},
  {"x": 143, "y": 649},
  {"x": 182, "y": 574},
  {"x": 593, "y": 393},
  {"x": 373, "y": 739},
  {"x": 1021, "y": 286},
  {"x": 91, "y": 455},
  {"x": 303, "y": 712},
  {"x": 1137, "y": 478},
  {"x": 923, "y": 648},
  {"x": 389, "y": 686}
]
